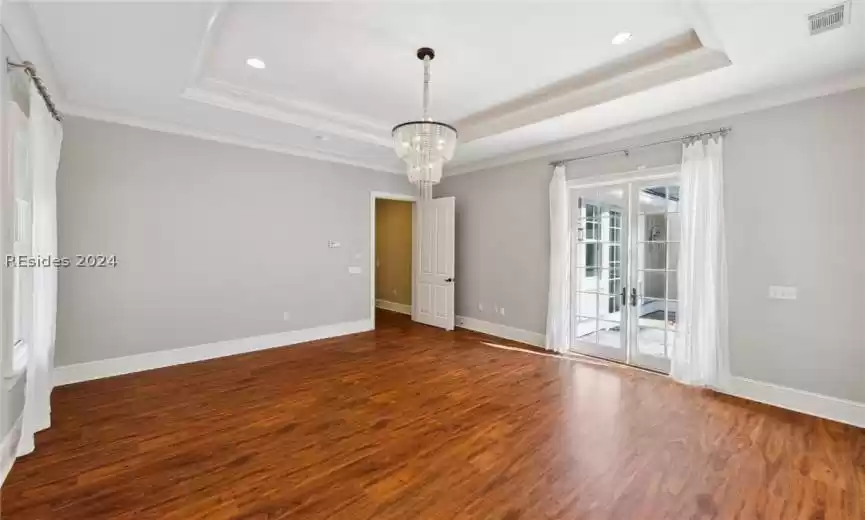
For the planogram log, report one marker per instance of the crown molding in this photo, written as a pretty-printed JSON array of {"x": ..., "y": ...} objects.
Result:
[
  {"x": 318, "y": 118},
  {"x": 108, "y": 116},
  {"x": 727, "y": 108}
]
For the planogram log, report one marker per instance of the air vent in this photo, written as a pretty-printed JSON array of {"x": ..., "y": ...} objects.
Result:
[{"x": 829, "y": 19}]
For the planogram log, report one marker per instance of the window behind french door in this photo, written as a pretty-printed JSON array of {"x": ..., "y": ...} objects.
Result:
[{"x": 623, "y": 269}]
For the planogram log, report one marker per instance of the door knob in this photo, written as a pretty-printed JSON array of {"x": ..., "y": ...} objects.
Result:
[{"x": 449, "y": 280}]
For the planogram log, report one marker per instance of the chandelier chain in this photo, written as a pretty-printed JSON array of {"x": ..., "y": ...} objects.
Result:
[{"x": 426, "y": 77}]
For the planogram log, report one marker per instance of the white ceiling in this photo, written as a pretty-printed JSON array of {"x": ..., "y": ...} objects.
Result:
[{"x": 340, "y": 75}]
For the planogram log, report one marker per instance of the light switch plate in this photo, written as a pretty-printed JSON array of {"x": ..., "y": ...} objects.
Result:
[
  {"x": 354, "y": 269},
  {"x": 782, "y": 292}
]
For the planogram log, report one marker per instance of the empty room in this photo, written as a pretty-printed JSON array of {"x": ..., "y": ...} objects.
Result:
[{"x": 516, "y": 260}]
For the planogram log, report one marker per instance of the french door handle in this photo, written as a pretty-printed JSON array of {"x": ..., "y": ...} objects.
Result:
[
  {"x": 624, "y": 295},
  {"x": 633, "y": 297}
]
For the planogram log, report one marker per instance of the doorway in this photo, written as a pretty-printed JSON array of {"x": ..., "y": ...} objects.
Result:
[
  {"x": 623, "y": 271},
  {"x": 391, "y": 270}
]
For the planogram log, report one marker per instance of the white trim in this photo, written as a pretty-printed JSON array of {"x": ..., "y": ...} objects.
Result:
[
  {"x": 502, "y": 331},
  {"x": 293, "y": 112},
  {"x": 372, "y": 271},
  {"x": 108, "y": 116},
  {"x": 393, "y": 306},
  {"x": 810, "y": 403},
  {"x": 65, "y": 375},
  {"x": 674, "y": 59},
  {"x": 8, "y": 448},
  {"x": 688, "y": 117}
]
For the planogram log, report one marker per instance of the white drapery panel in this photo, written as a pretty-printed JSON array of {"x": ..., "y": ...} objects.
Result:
[
  {"x": 45, "y": 137},
  {"x": 700, "y": 355},
  {"x": 559, "y": 303}
]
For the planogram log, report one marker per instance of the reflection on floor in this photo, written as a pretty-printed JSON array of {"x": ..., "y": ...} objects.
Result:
[{"x": 413, "y": 422}]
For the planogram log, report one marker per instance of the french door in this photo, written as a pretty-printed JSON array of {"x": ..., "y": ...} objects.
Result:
[{"x": 623, "y": 269}]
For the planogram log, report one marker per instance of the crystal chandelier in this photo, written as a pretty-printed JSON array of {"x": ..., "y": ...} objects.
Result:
[{"x": 425, "y": 145}]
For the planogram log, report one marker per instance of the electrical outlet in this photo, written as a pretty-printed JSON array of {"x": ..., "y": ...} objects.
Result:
[
  {"x": 394, "y": 292},
  {"x": 481, "y": 307},
  {"x": 286, "y": 316},
  {"x": 353, "y": 269},
  {"x": 781, "y": 292},
  {"x": 502, "y": 311}
]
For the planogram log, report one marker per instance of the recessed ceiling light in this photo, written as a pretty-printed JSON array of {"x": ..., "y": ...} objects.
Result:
[
  {"x": 621, "y": 38},
  {"x": 255, "y": 63}
]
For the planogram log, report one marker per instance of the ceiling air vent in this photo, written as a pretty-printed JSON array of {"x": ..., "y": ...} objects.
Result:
[{"x": 829, "y": 19}]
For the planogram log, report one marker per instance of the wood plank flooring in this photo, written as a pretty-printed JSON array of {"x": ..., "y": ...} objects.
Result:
[{"x": 409, "y": 422}]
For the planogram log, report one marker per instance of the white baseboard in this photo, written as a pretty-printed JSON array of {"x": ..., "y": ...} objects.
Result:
[
  {"x": 65, "y": 375},
  {"x": 9, "y": 448},
  {"x": 833, "y": 408},
  {"x": 502, "y": 331},
  {"x": 393, "y": 306}
]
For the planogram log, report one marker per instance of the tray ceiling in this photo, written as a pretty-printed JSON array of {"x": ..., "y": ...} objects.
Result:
[{"x": 510, "y": 75}]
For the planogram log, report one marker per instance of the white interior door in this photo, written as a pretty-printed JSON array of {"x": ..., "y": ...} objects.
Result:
[{"x": 433, "y": 301}]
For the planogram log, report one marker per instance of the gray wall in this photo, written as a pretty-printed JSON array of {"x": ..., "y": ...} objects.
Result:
[
  {"x": 213, "y": 242},
  {"x": 795, "y": 201}
]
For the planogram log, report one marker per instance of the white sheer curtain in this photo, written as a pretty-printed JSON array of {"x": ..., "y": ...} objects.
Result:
[
  {"x": 45, "y": 136},
  {"x": 700, "y": 354},
  {"x": 559, "y": 304}
]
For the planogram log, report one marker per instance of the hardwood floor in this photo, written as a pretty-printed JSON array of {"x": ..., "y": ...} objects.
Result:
[{"x": 409, "y": 422}]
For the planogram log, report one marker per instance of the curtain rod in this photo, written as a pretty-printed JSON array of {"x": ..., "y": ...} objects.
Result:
[
  {"x": 724, "y": 130},
  {"x": 30, "y": 69}
]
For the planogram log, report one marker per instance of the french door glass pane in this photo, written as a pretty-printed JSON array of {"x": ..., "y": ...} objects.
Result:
[
  {"x": 674, "y": 227},
  {"x": 651, "y": 341},
  {"x": 650, "y": 312},
  {"x": 672, "y": 286},
  {"x": 586, "y": 329},
  {"x": 656, "y": 260},
  {"x": 610, "y": 333},
  {"x": 652, "y": 284},
  {"x": 672, "y": 256},
  {"x": 654, "y": 255},
  {"x": 586, "y": 304}
]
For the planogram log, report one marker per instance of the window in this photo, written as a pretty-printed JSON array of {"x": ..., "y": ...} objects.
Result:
[
  {"x": 593, "y": 213},
  {"x": 614, "y": 255}
]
